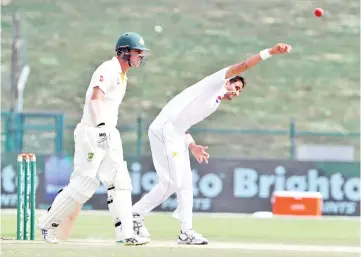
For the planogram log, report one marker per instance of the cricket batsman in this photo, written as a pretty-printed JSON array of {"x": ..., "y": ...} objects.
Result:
[
  {"x": 170, "y": 141},
  {"x": 98, "y": 149}
]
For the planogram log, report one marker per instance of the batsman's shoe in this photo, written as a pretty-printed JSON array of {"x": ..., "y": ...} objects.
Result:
[
  {"x": 49, "y": 236},
  {"x": 190, "y": 237},
  {"x": 139, "y": 227},
  {"x": 136, "y": 240}
]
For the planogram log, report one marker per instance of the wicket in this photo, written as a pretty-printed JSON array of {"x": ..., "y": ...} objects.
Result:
[{"x": 26, "y": 173}]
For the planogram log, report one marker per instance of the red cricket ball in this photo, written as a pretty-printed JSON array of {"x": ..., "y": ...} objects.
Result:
[{"x": 318, "y": 12}]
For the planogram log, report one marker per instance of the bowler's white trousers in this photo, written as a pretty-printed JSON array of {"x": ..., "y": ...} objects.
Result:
[{"x": 171, "y": 161}]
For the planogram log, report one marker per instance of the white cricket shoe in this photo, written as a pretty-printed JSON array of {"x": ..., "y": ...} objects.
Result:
[
  {"x": 49, "y": 236},
  {"x": 136, "y": 240},
  {"x": 139, "y": 227},
  {"x": 190, "y": 237}
]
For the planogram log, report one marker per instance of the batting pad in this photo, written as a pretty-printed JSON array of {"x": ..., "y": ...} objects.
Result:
[
  {"x": 122, "y": 179},
  {"x": 79, "y": 190},
  {"x": 64, "y": 204},
  {"x": 120, "y": 202},
  {"x": 82, "y": 188},
  {"x": 119, "y": 235}
]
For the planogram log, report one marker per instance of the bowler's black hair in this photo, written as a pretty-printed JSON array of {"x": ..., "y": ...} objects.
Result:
[{"x": 238, "y": 78}]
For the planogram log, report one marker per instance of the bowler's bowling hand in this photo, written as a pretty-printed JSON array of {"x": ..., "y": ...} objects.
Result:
[{"x": 280, "y": 48}]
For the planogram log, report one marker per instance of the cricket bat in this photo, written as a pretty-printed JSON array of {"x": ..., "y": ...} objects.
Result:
[{"x": 66, "y": 226}]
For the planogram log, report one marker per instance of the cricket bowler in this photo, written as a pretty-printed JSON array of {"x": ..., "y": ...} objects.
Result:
[
  {"x": 98, "y": 149},
  {"x": 169, "y": 141}
]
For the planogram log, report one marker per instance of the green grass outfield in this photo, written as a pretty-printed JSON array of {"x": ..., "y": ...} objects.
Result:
[{"x": 229, "y": 235}]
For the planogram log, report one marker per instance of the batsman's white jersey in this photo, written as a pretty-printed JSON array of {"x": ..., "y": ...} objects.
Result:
[
  {"x": 88, "y": 158},
  {"x": 108, "y": 77},
  {"x": 167, "y": 137}
]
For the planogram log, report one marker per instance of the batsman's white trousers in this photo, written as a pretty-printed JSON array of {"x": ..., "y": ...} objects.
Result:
[
  {"x": 171, "y": 161},
  {"x": 92, "y": 161}
]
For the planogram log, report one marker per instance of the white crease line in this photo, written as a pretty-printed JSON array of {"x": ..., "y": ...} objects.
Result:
[{"x": 211, "y": 245}]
